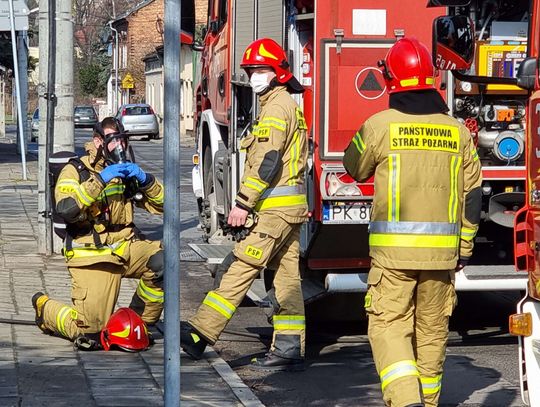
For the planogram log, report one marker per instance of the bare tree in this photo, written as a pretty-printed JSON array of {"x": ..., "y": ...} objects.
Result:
[{"x": 91, "y": 32}]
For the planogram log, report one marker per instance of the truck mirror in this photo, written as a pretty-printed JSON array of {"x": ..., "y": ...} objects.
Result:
[
  {"x": 213, "y": 26},
  {"x": 197, "y": 47},
  {"x": 453, "y": 42},
  {"x": 448, "y": 3},
  {"x": 526, "y": 74}
]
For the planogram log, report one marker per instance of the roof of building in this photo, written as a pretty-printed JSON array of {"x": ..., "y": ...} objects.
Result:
[{"x": 136, "y": 8}]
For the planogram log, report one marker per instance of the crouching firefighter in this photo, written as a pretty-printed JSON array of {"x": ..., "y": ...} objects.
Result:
[
  {"x": 272, "y": 189},
  {"x": 94, "y": 196}
]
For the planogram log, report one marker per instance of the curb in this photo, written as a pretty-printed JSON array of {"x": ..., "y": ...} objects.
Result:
[{"x": 239, "y": 388}]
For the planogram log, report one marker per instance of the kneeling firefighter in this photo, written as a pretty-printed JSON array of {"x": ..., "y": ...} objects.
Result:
[
  {"x": 425, "y": 215},
  {"x": 272, "y": 189},
  {"x": 95, "y": 197}
]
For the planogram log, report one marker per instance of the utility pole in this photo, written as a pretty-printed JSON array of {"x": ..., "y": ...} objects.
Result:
[
  {"x": 116, "y": 60},
  {"x": 47, "y": 37},
  {"x": 171, "y": 210},
  {"x": 64, "y": 138}
]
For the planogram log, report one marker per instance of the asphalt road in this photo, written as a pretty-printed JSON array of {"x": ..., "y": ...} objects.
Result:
[{"x": 481, "y": 368}]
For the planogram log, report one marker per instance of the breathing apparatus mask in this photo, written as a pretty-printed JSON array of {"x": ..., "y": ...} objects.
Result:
[{"x": 121, "y": 152}]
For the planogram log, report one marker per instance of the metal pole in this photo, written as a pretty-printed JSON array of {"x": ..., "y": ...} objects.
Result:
[
  {"x": 171, "y": 221},
  {"x": 2, "y": 103},
  {"x": 22, "y": 53},
  {"x": 18, "y": 87}
]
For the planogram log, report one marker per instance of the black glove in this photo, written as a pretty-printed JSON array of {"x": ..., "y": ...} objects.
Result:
[
  {"x": 88, "y": 342},
  {"x": 462, "y": 262},
  {"x": 239, "y": 233}
]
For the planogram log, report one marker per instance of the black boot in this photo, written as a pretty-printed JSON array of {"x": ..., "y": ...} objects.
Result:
[
  {"x": 39, "y": 300},
  {"x": 192, "y": 342},
  {"x": 275, "y": 363}
]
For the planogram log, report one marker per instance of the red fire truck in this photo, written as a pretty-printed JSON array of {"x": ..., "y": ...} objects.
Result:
[{"x": 333, "y": 48}]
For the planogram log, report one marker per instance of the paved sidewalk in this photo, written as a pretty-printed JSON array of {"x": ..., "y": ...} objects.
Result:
[{"x": 40, "y": 370}]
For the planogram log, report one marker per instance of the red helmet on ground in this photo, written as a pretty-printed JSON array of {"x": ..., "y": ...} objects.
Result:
[
  {"x": 267, "y": 52},
  {"x": 126, "y": 330},
  {"x": 408, "y": 66}
]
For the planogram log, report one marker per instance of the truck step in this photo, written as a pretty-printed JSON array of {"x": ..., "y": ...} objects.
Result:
[
  {"x": 213, "y": 253},
  {"x": 490, "y": 278},
  {"x": 490, "y": 272}
]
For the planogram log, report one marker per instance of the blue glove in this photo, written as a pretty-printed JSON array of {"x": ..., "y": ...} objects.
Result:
[
  {"x": 112, "y": 171},
  {"x": 132, "y": 170}
]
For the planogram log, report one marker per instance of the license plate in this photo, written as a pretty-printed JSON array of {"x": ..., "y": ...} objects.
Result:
[
  {"x": 85, "y": 118},
  {"x": 349, "y": 212}
]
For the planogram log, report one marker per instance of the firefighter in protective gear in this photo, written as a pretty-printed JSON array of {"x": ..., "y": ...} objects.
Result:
[
  {"x": 103, "y": 245},
  {"x": 272, "y": 188},
  {"x": 425, "y": 215}
]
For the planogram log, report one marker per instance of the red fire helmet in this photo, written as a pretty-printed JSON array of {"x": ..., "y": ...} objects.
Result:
[
  {"x": 125, "y": 330},
  {"x": 408, "y": 66},
  {"x": 267, "y": 52}
]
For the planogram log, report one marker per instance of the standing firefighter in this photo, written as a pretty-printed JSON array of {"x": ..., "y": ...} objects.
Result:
[
  {"x": 425, "y": 215},
  {"x": 95, "y": 197},
  {"x": 273, "y": 192}
]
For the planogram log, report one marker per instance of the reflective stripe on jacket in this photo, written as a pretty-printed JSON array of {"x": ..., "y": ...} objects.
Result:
[
  {"x": 276, "y": 157},
  {"x": 424, "y": 167}
]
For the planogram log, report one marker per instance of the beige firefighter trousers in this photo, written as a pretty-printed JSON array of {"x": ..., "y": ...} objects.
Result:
[
  {"x": 408, "y": 312},
  {"x": 273, "y": 242},
  {"x": 95, "y": 289}
]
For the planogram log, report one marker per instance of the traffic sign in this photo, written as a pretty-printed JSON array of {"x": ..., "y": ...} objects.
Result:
[
  {"x": 20, "y": 11},
  {"x": 128, "y": 82}
]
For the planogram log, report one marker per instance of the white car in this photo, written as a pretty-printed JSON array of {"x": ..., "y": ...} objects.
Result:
[
  {"x": 34, "y": 125},
  {"x": 139, "y": 119}
]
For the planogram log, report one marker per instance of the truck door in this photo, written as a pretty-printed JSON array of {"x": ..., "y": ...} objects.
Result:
[
  {"x": 527, "y": 220},
  {"x": 217, "y": 76},
  {"x": 351, "y": 36}
]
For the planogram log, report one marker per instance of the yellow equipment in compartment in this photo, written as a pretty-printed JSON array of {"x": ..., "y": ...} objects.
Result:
[{"x": 501, "y": 60}]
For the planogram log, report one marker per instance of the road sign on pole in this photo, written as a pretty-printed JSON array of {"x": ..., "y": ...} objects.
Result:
[{"x": 20, "y": 13}]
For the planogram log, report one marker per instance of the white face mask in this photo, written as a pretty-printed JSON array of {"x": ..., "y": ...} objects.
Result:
[{"x": 258, "y": 82}]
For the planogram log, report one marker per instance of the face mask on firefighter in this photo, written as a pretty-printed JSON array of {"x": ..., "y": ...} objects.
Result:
[
  {"x": 259, "y": 81},
  {"x": 115, "y": 148}
]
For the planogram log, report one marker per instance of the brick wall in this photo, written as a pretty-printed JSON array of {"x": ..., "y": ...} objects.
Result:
[
  {"x": 143, "y": 37},
  {"x": 201, "y": 7}
]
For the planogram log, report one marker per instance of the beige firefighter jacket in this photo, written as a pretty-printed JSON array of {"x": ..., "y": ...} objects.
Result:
[
  {"x": 276, "y": 156},
  {"x": 98, "y": 214},
  {"x": 427, "y": 200}
]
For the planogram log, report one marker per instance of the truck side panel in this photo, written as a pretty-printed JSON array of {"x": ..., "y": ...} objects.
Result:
[{"x": 244, "y": 24}]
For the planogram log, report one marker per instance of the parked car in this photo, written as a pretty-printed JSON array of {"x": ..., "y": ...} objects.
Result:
[
  {"x": 34, "y": 126},
  {"x": 84, "y": 116},
  {"x": 139, "y": 119}
]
